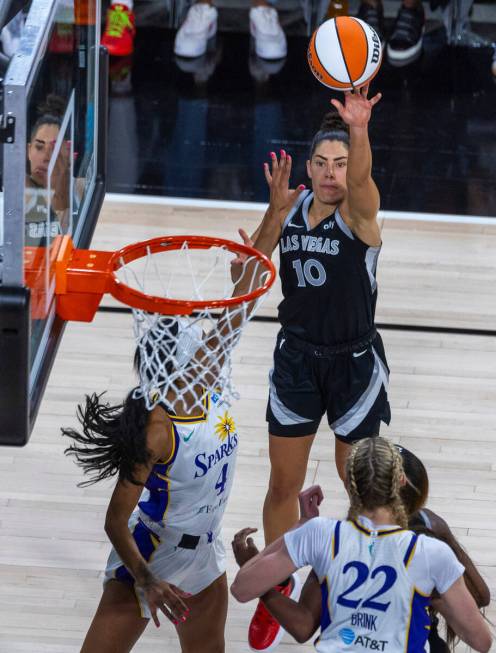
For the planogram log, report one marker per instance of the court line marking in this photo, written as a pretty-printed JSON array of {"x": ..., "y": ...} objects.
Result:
[
  {"x": 383, "y": 326},
  {"x": 261, "y": 207}
]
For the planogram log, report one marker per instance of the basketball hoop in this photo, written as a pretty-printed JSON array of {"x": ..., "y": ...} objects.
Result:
[{"x": 188, "y": 312}]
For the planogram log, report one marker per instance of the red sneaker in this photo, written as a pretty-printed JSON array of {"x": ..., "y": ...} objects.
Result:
[
  {"x": 119, "y": 33},
  {"x": 265, "y": 633}
]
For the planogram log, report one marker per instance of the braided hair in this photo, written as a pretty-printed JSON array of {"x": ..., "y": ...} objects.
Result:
[
  {"x": 374, "y": 472},
  {"x": 332, "y": 128}
]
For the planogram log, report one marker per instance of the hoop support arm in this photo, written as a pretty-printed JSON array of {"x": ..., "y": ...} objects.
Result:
[{"x": 81, "y": 279}]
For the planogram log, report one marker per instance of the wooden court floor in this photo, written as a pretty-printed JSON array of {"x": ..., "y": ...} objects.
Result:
[{"x": 443, "y": 394}]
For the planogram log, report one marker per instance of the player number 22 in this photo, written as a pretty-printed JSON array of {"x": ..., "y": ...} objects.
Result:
[{"x": 363, "y": 573}]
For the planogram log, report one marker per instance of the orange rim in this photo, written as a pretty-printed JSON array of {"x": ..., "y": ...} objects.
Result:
[{"x": 153, "y": 304}]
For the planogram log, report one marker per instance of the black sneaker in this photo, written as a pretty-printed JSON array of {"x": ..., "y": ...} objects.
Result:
[
  {"x": 405, "y": 42},
  {"x": 374, "y": 16}
]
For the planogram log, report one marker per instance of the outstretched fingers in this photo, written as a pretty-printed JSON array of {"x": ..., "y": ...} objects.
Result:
[
  {"x": 373, "y": 101},
  {"x": 245, "y": 238},
  {"x": 339, "y": 106}
]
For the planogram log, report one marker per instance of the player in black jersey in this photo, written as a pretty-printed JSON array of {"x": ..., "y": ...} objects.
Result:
[{"x": 328, "y": 356}]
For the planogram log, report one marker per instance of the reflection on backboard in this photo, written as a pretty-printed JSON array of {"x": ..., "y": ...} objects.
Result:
[{"x": 54, "y": 176}]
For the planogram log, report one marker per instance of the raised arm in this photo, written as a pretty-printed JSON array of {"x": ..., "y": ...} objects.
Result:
[
  {"x": 282, "y": 198},
  {"x": 362, "y": 203}
]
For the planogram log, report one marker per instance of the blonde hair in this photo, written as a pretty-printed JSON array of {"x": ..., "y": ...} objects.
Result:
[{"x": 374, "y": 471}]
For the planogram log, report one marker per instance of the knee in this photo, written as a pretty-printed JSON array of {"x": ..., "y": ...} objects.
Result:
[{"x": 284, "y": 488}]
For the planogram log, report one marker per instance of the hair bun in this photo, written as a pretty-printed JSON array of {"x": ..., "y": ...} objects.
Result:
[
  {"x": 54, "y": 105},
  {"x": 332, "y": 121}
]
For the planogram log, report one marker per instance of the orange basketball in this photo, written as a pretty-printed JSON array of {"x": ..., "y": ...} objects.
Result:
[{"x": 344, "y": 53}]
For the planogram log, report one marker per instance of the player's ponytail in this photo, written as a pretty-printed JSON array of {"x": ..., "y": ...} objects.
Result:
[
  {"x": 416, "y": 489},
  {"x": 332, "y": 128},
  {"x": 374, "y": 473},
  {"x": 112, "y": 439}
]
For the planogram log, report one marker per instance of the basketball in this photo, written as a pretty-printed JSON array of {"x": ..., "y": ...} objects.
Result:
[{"x": 344, "y": 53}]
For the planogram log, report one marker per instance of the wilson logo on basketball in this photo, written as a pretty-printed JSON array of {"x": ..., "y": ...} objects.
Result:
[{"x": 376, "y": 51}]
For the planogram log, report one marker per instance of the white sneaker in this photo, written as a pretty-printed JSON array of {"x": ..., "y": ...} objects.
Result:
[
  {"x": 198, "y": 28},
  {"x": 270, "y": 40},
  {"x": 11, "y": 35}
]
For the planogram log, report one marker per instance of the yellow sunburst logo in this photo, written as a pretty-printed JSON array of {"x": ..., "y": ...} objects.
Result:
[{"x": 225, "y": 426}]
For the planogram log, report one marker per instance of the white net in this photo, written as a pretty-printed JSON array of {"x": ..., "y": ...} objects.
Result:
[{"x": 181, "y": 358}]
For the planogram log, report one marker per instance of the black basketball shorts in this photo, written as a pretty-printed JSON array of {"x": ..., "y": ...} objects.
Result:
[{"x": 306, "y": 382}]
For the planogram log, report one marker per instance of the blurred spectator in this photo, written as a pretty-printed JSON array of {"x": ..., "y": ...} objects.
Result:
[
  {"x": 405, "y": 41},
  {"x": 198, "y": 28}
]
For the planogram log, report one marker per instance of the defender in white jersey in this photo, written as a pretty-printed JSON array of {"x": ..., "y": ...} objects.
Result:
[
  {"x": 175, "y": 472},
  {"x": 177, "y": 522},
  {"x": 376, "y": 577}
]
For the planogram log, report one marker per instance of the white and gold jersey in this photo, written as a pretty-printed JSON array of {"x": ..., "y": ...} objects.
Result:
[
  {"x": 188, "y": 492},
  {"x": 376, "y": 583}
]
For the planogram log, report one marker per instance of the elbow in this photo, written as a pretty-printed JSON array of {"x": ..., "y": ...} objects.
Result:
[
  {"x": 110, "y": 525},
  {"x": 483, "y": 643},
  {"x": 480, "y": 639},
  {"x": 239, "y": 592},
  {"x": 301, "y": 635}
]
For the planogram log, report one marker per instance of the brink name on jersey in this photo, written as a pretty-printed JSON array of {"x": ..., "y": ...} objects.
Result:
[
  {"x": 204, "y": 462},
  {"x": 309, "y": 244}
]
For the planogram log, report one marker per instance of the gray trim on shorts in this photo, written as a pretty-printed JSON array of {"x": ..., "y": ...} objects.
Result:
[
  {"x": 359, "y": 411},
  {"x": 283, "y": 415}
]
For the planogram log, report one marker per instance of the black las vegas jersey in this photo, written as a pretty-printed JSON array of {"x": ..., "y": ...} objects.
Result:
[{"x": 328, "y": 278}]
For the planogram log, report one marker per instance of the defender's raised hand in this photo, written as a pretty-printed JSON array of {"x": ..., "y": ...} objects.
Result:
[{"x": 282, "y": 197}]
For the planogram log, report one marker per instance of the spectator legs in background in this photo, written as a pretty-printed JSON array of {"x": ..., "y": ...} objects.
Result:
[{"x": 118, "y": 36}]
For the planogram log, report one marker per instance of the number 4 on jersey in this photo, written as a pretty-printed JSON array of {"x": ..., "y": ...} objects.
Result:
[{"x": 221, "y": 481}]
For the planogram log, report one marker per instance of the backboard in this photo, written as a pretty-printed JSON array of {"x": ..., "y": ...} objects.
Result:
[{"x": 54, "y": 158}]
